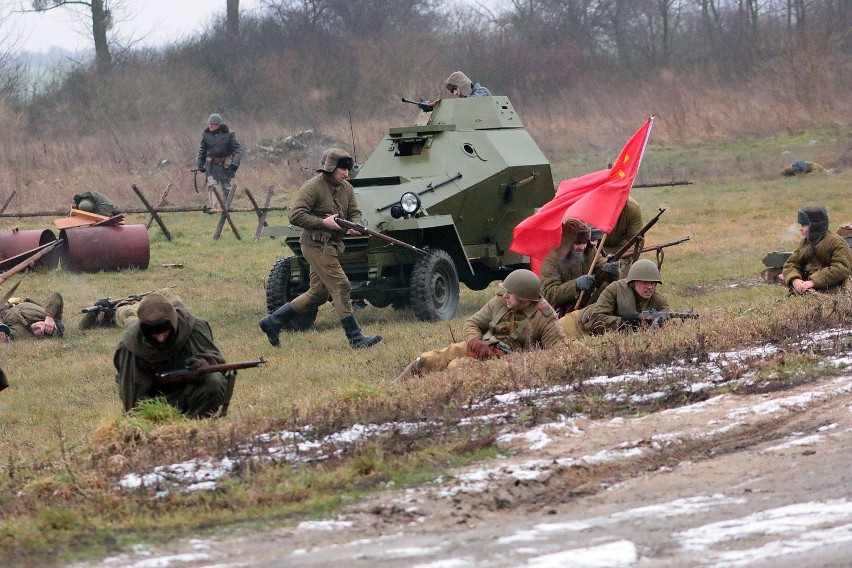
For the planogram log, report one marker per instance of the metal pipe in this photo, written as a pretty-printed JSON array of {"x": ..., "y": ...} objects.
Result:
[{"x": 92, "y": 249}]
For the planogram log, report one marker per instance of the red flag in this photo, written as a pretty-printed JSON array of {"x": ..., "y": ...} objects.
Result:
[{"x": 596, "y": 198}]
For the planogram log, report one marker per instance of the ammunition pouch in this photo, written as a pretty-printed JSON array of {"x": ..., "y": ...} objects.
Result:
[{"x": 318, "y": 236}]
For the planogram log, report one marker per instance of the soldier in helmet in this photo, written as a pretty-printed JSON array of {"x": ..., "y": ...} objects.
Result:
[
  {"x": 322, "y": 198},
  {"x": 516, "y": 319},
  {"x": 165, "y": 338},
  {"x": 620, "y": 304},
  {"x": 565, "y": 270},
  {"x": 96, "y": 202},
  {"x": 219, "y": 157},
  {"x": 802, "y": 167},
  {"x": 24, "y": 318},
  {"x": 823, "y": 261}
]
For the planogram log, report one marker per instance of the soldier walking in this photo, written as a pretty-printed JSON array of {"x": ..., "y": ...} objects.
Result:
[
  {"x": 219, "y": 157},
  {"x": 322, "y": 198}
]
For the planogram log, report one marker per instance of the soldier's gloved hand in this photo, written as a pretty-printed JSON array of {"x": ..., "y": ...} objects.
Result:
[
  {"x": 202, "y": 169},
  {"x": 103, "y": 303},
  {"x": 585, "y": 282},
  {"x": 479, "y": 349},
  {"x": 631, "y": 320},
  {"x": 233, "y": 167},
  {"x": 196, "y": 363},
  {"x": 611, "y": 268}
]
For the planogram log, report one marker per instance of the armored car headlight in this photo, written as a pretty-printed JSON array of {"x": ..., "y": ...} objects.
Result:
[{"x": 410, "y": 203}]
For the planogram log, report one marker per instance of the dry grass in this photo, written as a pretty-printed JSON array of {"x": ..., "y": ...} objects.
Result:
[{"x": 66, "y": 443}]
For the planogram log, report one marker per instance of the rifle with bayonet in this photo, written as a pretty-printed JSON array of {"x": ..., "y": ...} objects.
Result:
[
  {"x": 636, "y": 241},
  {"x": 188, "y": 375},
  {"x": 424, "y": 106},
  {"x": 345, "y": 224},
  {"x": 30, "y": 262}
]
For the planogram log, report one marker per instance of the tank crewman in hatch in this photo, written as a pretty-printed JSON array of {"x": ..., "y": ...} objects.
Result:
[
  {"x": 565, "y": 270},
  {"x": 24, "y": 318},
  {"x": 168, "y": 337},
  {"x": 461, "y": 86},
  {"x": 517, "y": 318},
  {"x": 823, "y": 261},
  {"x": 320, "y": 199},
  {"x": 620, "y": 304},
  {"x": 629, "y": 223},
  {"x": 219, "y": 157}
]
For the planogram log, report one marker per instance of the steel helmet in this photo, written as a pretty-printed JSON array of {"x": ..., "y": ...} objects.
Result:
[
  {"x": 644, "y": 269},
  {"x": 524, "y": 284},
  {"x": 86, "y": 205}
]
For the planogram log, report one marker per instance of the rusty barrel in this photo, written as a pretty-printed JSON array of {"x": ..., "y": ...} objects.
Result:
[
  {"x": 92, "y": 249},
  {"x": 14, "y": 243}
]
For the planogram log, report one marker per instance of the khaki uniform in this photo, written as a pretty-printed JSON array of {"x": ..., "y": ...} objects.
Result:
[
  {"x": 124, "y": 313},
  {"x": 534, "y": 327},
  {"x": 828, "y": 264},
  {"x": 20, "y": 315},
  {"x": 617, "y": 300},
  {"x": 137, "y": 360},
  {"x": 629, "y": 223},
  {"x": 319, "y": 197},
  {"x": 559, "y": 281}
]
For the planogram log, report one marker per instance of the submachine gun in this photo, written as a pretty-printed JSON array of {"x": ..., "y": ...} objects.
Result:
[
  {"x": 656, "y": 318},
  {"x": 108, "y": 305}
]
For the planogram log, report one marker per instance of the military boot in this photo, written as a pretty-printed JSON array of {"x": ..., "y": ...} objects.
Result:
[
  {"x": 414, "y": 369},
  {"x": 272, "y": 324},
  {"x": 354, "y": 335}
]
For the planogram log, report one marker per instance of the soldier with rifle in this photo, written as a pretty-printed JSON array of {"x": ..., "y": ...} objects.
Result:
[
  {"x": 628, "y": 224},
  {"x": 119, "y": 312},
  {"x": 167, "y": 337},
  {"x": 320, "y": 203},
  {"x": 573, "y": 267},
  {"x": 823, "y": 260},
  {"x": 516, "y": 319},
  {"x": 628, "y": 303}
]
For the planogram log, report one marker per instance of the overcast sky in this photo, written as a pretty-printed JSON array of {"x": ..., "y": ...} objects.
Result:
[{"x": 153, "y": 22}]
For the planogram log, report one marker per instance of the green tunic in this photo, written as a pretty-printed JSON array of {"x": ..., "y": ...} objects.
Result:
[
  {"x": 534, "y": 326},
  {"x": 559, "y": 281},
  {"x": 629, "y": 223},
  {"x": 617, "y": 300},
  {"x": 21, "y": 316},
  {"x": 828, "y": 264},
  {"x": 137, "y": 360}
]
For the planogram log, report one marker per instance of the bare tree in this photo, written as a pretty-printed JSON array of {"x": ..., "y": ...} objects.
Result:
[
  {"x": 101, "y": 23},
  {"x": 232, "y": 18}
]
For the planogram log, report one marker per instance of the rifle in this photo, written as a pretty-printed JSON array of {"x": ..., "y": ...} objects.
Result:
[
  {"x": 365, "y": 231},
  {"x": 108, "y": 304},
  {"x": 657, "y": 318},
  {"x": 635, "y": 240},
  {"x": 30, "y": 262},
  {"x": 188, "y": 375},
  {"x": 661, "y": 246},
  {"x": 424, "y": 106}
]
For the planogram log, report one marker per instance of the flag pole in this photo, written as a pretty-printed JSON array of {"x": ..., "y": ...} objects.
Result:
[{"x": 580, "y": 298}]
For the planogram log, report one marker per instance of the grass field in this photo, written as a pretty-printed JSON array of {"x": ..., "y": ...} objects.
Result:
[{"x": 66, "y": 442}]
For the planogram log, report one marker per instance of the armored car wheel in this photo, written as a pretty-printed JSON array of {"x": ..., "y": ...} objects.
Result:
[
  {"x": 279, "y": 291},
  {"x": 434, "y": 287}
]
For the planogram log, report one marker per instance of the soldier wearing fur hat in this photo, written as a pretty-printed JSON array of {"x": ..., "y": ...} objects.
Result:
[
  {"x": 168, "y": 337},
  {"x": 24, "y": 318},
  {"x": 620, "y": 303},
  {"x": 567, "y": 270},
  {"x": 322, "y": 198},
  {"x": 823, "y": 261},
  {"x": 219, "y": 156},
  {"x": 516, "y": 319}
]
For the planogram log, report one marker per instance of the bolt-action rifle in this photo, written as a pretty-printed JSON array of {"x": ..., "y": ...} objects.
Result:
[
  {"x": 424, "y": 106},
  {"x": 188, "y": 375},
  {"x": 365, "y": 231},
  {"x": 108, "y": 305},
  {"x": 636, "y": 241}
]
